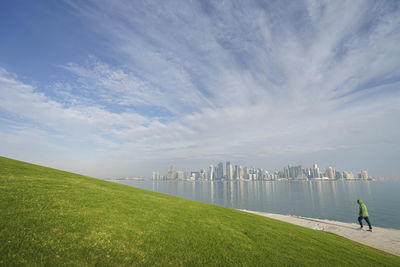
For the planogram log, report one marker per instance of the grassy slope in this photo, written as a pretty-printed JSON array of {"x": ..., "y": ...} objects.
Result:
[{"x": 51, "y": 217}]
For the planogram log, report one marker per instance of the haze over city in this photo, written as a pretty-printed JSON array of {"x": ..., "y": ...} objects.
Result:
[{"x": 122, "y": 88}]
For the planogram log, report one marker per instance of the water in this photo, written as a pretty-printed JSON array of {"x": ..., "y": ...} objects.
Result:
[{"x": 333, "y": 200}]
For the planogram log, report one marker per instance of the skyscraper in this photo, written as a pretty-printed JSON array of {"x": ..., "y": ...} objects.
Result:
[
  {"x": 246, "y": 173},
  {"x": 286, "y": 172},
  {"x": 171, "y": 172},
  {"x": 260, "y": 174},
  {"x": 180, "y": 175},
  {"x": 211, "y": 173},
  {"x": 316, "y": 172},
  {"x": 348, "y": 175},
  {"x": 240, "y": 172},
  {"x": 229, "y": 171},
  {"x": 156, "y": 175},
  {"x": 220, "y": 170},
  {"x": 294, "y": 172},
  {"x": 330, "y": 173},
  {"x": 363, "y": 175},
  {"x": 298, "y": 172},
  {"x": 236, "y": 172},
  {"x": 203, "y": 173},
  {"x": 338, "y": 175}
]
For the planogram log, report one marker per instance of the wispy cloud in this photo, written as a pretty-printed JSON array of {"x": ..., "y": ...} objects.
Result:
[{"x": 33, "y": 107}]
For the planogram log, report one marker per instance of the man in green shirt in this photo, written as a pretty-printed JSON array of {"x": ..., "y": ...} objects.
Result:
[{"x": 363, "y": 214}]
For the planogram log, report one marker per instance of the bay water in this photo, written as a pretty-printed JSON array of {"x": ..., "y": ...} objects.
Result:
[{"x": 333, "y": 200}]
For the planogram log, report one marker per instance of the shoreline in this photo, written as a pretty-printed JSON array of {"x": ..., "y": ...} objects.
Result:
[{"x": 386, "y": 239}]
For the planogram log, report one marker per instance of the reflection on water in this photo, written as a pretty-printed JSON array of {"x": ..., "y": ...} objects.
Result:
[{"x": 334, "y": 200}]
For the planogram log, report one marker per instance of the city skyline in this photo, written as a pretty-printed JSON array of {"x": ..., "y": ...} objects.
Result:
[
  {"x": 119, "y": 88},
  {"x": 240, "y": 172}
]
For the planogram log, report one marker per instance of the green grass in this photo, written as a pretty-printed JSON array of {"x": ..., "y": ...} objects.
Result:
[{"x": 54, "y": 218}]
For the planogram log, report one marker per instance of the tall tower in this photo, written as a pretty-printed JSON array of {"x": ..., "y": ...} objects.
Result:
[
  {"x": 229, "y": 171},
  {"x": 236, "y": 172},
  {"x": 171, "y": 172},
  {"x": 156, "y": 175},
  {"x": 246, "y": 173},
  {"x": 240, "y": 172},
  {"x": 330, "y": 173},
  {"x": 297, "y": 172},
  {"x": 364, "y": 175},
  {"x": 220, "y": 170},
  {"x": 316, "y": 172},
  {"x": 211, "y": 173},
  {"x": 286, "y": 172}
]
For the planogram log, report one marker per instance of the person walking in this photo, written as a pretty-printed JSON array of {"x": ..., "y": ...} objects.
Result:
[{"x": 363, "y": 214}]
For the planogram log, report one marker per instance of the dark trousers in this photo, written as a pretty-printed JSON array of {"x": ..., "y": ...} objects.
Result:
[{"x": 366, "y": 219}]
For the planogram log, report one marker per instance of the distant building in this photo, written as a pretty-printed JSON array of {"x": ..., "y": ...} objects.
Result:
[
  {"x": 220, "y": 170},
  {"x": 329, "y": 173},
  {"x": 286, "y": 172},
  {"x": 156, "y": 175},
  {"x": 363, "y": 175},
  {"x": 246, "y": 173},
  {"x": 316, "y": 171},
  {"x": 203, "y": 174},
  {"x": 195, "y": 175},
  {"x": 171, "y": 172},
  {"x": 308, "y": 172},
  {"x": 260, "y": 174},
  {"x": 211, "y": 172},
  {"x": 348, "y": 175},
  {"x": 180, "y": 175},
  {"x": 267, "y": 176},
  {"x": 187, "y": 175},
  {"x": 338, "y": 175},
  {"x": 229, "y": 171},
  {"x": 294, "y": 172},
  {"x": 238, "y": 172}
]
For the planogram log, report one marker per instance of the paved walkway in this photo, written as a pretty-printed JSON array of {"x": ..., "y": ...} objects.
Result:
[{"x": 381, "y": 238}]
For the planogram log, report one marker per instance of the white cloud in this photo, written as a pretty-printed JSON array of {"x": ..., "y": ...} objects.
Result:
[{"x": 30, "y": 103}]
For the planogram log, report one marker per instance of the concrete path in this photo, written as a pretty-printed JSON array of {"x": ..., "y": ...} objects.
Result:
[{"x": 386, "y": 239}]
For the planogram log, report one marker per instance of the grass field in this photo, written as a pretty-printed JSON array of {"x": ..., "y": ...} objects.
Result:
[{"x": 55, "y": 218}]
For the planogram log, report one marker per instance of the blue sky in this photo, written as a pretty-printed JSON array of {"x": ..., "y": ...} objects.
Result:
[{"x": 121, "y": 88}]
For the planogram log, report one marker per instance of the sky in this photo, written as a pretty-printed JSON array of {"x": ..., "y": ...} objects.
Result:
[{"x": 122, "y": 88}]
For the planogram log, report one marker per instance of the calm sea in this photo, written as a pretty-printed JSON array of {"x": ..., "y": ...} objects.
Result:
[{"x": 333, "y": 200}]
